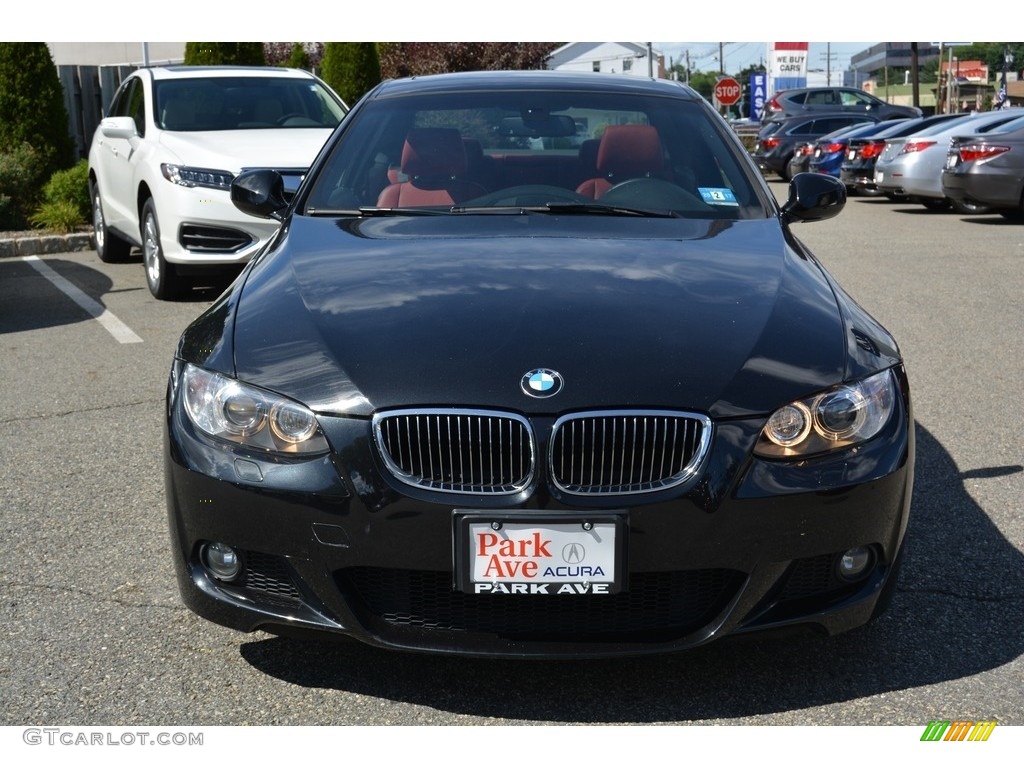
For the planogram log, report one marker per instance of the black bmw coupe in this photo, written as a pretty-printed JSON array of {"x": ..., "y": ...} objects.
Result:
[{"x": 534, "y": 366}]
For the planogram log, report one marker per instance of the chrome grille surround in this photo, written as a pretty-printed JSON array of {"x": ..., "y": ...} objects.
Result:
[
  {"x": 457, "y": 450},
  {"x": 614, "y": 453}
]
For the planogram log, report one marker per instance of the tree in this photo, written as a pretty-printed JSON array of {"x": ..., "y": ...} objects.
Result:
[
  {"x": 301, "y": 55},
  {"x": 406, "y": 59},
  {"x": 218, "y": 54},
  {"x": 298, "y": 59},
  {"x": 34, "y": 137},
  {"x": 351, "y": 69},
  {"x": 32, "y": 104}
]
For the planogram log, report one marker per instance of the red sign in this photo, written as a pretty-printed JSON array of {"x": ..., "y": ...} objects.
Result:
[{"x": 727, "y": 91}]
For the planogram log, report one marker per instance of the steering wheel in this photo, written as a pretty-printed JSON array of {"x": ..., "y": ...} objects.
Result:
[
  {"x": 655, "y": 194},
  {"x": 528, "y": 194},
  {"x": 300, "y": 120}
]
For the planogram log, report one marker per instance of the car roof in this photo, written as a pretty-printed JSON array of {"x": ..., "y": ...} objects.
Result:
[
  {"x": 531, "y": 80},
  {"x": 181, "y": 71}
]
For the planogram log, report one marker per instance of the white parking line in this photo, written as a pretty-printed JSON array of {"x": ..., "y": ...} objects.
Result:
[{"x": 103, "y": 316}]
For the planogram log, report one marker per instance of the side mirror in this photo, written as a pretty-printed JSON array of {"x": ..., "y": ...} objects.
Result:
[
  {"x": 118, "y": 127},
  {"x": 813, "y": 197},
  {"x": 260, "y": 193}
]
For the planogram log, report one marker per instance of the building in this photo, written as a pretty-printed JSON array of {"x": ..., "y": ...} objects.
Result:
[
  {"x": 108, "y": 54},
  {"x": 894, "y": 55},
  {"x": 614, "y": 58}
]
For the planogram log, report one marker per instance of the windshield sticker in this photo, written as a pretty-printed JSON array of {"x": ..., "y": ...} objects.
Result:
[{"x": 717, "y": 196}]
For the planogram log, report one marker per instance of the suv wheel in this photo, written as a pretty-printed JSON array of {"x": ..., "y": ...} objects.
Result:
[
  {"x": 109, "y": 247},
  {"x": 162, "y": 278}
]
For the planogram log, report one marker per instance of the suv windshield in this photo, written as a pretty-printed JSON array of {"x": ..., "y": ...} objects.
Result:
[
  {"x": 545, "y": 151},
  {"x": 243, "y": 103}
]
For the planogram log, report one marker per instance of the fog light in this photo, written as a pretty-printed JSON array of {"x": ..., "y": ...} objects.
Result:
[
  {"x": 855, "y": 562},
  {"x": 222, "y": 562}
]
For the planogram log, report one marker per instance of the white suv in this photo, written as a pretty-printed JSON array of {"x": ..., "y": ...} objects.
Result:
[{"x": 162, "y": 161}]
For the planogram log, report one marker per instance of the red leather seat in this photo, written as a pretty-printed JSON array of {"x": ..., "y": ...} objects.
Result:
[
  {"x": 626, "y": 152},
  {"x": 434, "y": 166}
]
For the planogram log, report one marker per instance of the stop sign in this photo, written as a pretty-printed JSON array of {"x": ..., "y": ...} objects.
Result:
[{"x": 727, "y": 91}]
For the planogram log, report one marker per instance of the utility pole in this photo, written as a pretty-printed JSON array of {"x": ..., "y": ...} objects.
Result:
[
  {"x": 650, "y": 60},
  {"x": 913, "y": 75},
  {"x": 828, "y": 56},
  {"x": 721, "y": 58}
]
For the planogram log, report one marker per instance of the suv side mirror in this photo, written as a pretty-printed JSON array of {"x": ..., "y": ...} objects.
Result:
[{"x": 118, "y": 127}]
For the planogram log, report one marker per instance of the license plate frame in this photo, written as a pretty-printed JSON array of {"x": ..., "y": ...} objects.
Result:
[{"x": 571, "y": 552}]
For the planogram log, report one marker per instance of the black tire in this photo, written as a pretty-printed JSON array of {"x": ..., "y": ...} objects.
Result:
[
  {"x": 1012, "y": 214},
  {"x": 162, "y": 278},
  {"x": 784, "y": 170},
  {"x": 962, "y": 206},
  {"x": 109, "y": 247},
  {"x": 934, "y": 204}
]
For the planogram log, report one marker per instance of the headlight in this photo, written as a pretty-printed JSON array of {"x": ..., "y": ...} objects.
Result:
[
  {"x": 249, "y": 416},
  {"x": 841, "y": 417},
  {"x": 197, "y": 177}
]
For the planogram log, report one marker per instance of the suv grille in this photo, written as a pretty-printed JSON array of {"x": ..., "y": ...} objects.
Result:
[
  {"x": 612, "y": 453},
  {"x": 457, "y": 451}
]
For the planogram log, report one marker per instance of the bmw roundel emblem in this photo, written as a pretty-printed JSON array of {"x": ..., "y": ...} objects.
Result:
[{"x": 542, "y": 382}]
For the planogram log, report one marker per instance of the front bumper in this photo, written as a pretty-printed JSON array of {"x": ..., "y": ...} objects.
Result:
[
  {"x": 200, "y": 226},
  {"x": 335, "y": 544}
]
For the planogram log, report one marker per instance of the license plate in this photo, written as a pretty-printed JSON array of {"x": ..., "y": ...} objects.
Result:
[
  {"x": 951, "y": 161},
  {"x": 817, "y": 153},
  {"x": 540, "y": 554},
  {"x": 879, "y": 177},
  {"x": 852, "y": 154}
]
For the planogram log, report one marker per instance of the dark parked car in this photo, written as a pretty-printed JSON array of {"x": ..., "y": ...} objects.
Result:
[
  {"x": 800, "y": 101},
  {"x": 828, "y": 152},
  {"x": 778, "y": 139},
  {"x": 988, "y": 170},
  {"x": 857, "y": 171},
  {"x": 800, "y": 160},
  {"x": 490, "y": 394}
]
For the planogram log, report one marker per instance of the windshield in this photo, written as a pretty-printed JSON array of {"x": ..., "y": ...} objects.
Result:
[
  {"x": 546, "y": 151},
  {"x": 243, "y": 103}
]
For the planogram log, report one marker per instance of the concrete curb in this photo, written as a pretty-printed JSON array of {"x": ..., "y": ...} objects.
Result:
[{"x": 46, "y": 244}]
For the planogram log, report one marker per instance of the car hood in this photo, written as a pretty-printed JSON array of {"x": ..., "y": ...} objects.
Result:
[
  {"x": 354, "y": 315},
  {"x": 254, "y": 148}
]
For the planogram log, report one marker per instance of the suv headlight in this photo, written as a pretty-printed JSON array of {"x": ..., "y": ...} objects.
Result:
[
  {"x": 841, "y": 417},
  {"x": 230, "y": 410},
  {"x": 196, "y": 177}
]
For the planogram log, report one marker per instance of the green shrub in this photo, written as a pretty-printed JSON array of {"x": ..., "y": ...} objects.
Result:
[
  {"x": 66, "y": 205},
  {"x": 21, "y": 177},
  {"x": 70, "y": 186},
  {"x": 60, "y": 216}
]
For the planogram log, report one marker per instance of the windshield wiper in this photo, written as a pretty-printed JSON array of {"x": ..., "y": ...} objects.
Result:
[
  {"x": 374, "y": 211},
  {"x": 571, "y": 208},
  {"x": 547, "y": 208}
]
